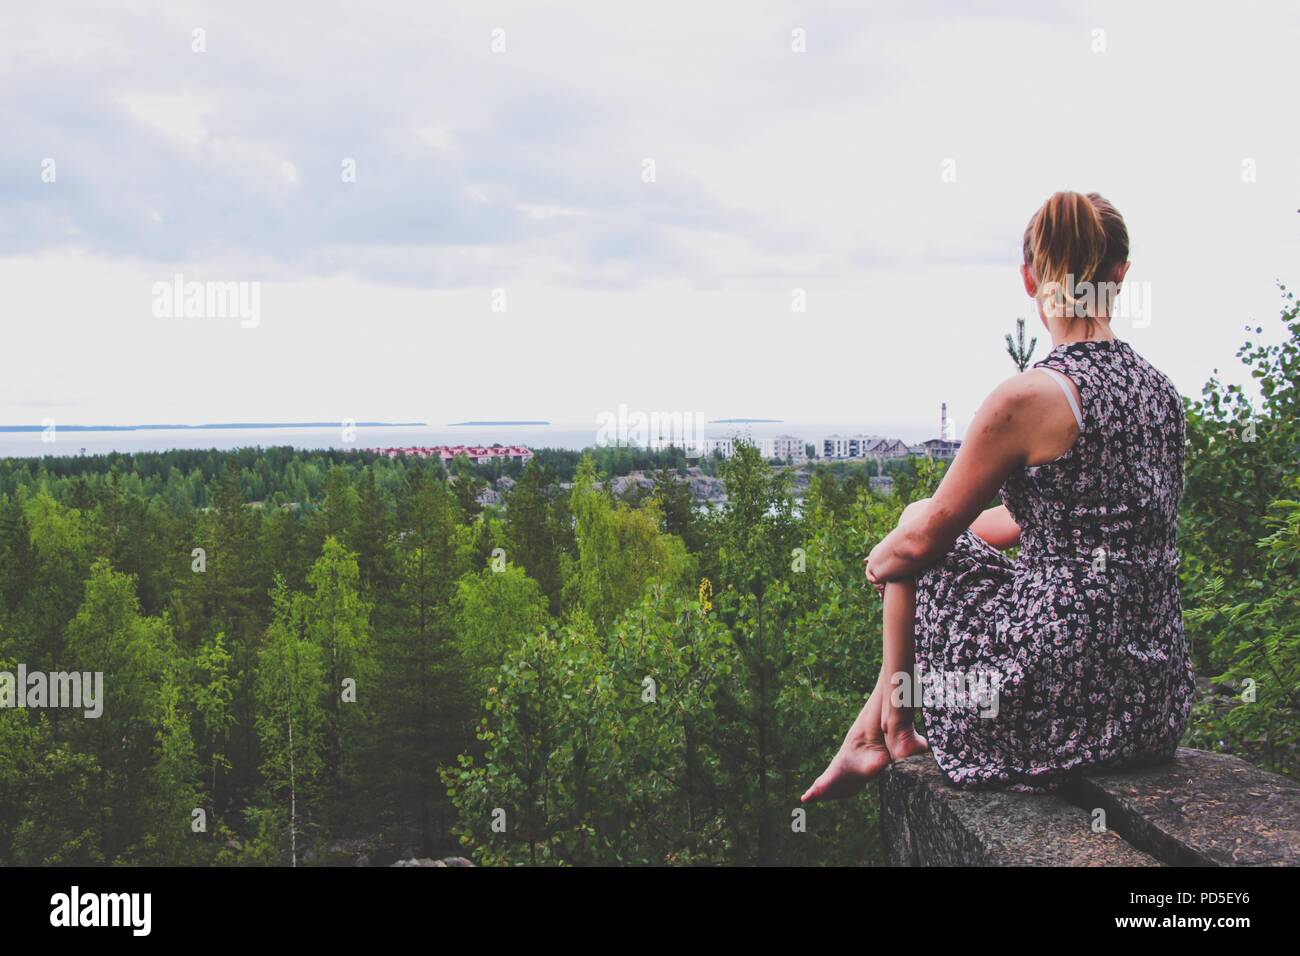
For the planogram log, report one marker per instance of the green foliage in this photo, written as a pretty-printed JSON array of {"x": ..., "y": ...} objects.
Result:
[
  {"x": 291, "y": 726},
  {"x": 679, "y": 732},
  {"x": 495, "y": 612},
  {"x": 1016, "y": 348},
  {"x": 176, "y": 784},
  {"x": 1240, "y": 530},
  {"x": 211, "y": 689},
  {"x": 619, "y": 550},
  {"x": 600, "y": 749},
  {"x": 336, "y": 619},
  {"x": 538, "y": 535}
]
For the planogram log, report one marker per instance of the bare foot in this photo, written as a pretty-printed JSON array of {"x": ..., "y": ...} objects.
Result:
[
  {"x": 857, "y": 762},
  {"x": 902, "y": 742}
]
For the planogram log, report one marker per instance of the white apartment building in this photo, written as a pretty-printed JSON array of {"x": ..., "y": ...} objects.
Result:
[
  {"x": 846, "y": 446},
  {"x": 726, "y": 447},
  {"x": 789, "y": 446}
]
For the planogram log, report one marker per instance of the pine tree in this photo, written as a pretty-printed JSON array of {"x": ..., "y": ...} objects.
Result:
[
  {"x": 110, "y": 637},
  {"x": 1016, "y": 348},
  {"x": 427, "y": 712},
  {"x": 532, "y": 540},
  {"x": 467, "y": 486},
  {"x": 677, "y": 505},
  {"x": 374, "y": 538}
]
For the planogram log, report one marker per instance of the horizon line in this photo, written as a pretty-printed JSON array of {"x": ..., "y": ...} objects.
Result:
[{"x": 207, "y": 425}]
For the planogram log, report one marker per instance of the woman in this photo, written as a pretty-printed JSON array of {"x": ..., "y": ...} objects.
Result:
[{"x": 1073, "y": 655}]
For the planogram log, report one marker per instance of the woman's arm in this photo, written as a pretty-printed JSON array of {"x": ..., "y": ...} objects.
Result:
[
  {"x": 1002, "y": 434},
  {"x": 997, "y": 527}
]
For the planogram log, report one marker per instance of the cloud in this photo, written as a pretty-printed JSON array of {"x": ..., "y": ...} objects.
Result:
[
  {"x": 235, "y": 154},
  {"x": 523, "y": 170}
]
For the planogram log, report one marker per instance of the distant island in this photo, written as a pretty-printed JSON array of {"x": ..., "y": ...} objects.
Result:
[
  {"x": 482, "y": 424},
  {"x": 214, "y": 425},
  {"x": 746, "y": 421}
]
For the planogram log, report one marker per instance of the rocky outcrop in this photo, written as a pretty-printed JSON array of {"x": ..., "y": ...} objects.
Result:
[
  {"x": 1199, "y": 809},
  {"x": 925, "y": 821},
  {"x": 447, "y": 861}
]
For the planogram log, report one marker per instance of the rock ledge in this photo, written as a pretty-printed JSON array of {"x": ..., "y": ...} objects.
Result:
[{"x": 1200, "y": 809}]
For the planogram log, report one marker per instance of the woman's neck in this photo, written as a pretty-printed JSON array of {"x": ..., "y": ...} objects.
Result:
[{"x": 1077, "y": 331}]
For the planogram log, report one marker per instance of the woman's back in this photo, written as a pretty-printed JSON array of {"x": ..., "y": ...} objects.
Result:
[{"x": 1113, "y": 498}]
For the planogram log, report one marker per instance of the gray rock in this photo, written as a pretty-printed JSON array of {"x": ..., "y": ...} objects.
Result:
[
  {"x": 425, "y": 861},
  {"x": 1200, "y": 809},
  {"x": 925, "y": 821}
]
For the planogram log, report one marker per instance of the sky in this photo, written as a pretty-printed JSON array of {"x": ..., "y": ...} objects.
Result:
[{"x": 535, "y": 210}]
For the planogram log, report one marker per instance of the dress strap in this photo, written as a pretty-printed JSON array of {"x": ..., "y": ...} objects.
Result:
[{"x": 1069, "y": 394}]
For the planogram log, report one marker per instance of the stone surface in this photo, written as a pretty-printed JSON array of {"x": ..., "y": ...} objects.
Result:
[
  {"x": 926, "y": 821},
  {"x": 1201, "y": 809},
  {"x": 425, "y": 861}
]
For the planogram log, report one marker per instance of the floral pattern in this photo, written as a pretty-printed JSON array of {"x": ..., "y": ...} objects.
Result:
[{"x": 1084, "y": 629}]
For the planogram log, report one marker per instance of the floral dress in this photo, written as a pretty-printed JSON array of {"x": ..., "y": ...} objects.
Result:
[{"x": 1072, "y": 655}]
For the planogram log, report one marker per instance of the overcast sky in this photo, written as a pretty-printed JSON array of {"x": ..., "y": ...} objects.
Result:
[{"x": 888, "y": 171}]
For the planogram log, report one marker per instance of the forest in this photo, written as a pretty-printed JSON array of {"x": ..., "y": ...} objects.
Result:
[{"x": 310, "y": 655}]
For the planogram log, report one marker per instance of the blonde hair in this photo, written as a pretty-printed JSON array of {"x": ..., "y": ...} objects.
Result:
[{"x": 1075, "y": 241}]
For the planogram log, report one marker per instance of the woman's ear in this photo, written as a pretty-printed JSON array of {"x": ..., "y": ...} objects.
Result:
[
  {"x": 1121, "y": 272},
  {"x": 1031, "y": 284}
]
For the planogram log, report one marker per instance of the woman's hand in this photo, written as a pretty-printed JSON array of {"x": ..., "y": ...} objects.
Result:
[{"x": 872, "y": 577}]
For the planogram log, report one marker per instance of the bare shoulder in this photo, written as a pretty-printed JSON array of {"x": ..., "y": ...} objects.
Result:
[{"x": 1027, "y": 395}]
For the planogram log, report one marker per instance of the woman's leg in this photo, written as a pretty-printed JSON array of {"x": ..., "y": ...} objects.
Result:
[
  {"x": 898, "y": 723},
  {"x": 899, "y": 654},
  {"x": 881, "y": 731}
]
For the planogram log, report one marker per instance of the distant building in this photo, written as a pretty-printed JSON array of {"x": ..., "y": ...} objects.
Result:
[
  {"x": 788, "y": 446},
  {"x": 845, "y": 446},
  {"x": 475, "y": 453},
  {"x": 887, "y": 448},
  {"x": 940, "y": 448},
  {"x": 726, "y": 447},
  {"x": 839, "y": 447},
  {"x": 943, "y": 448}
]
